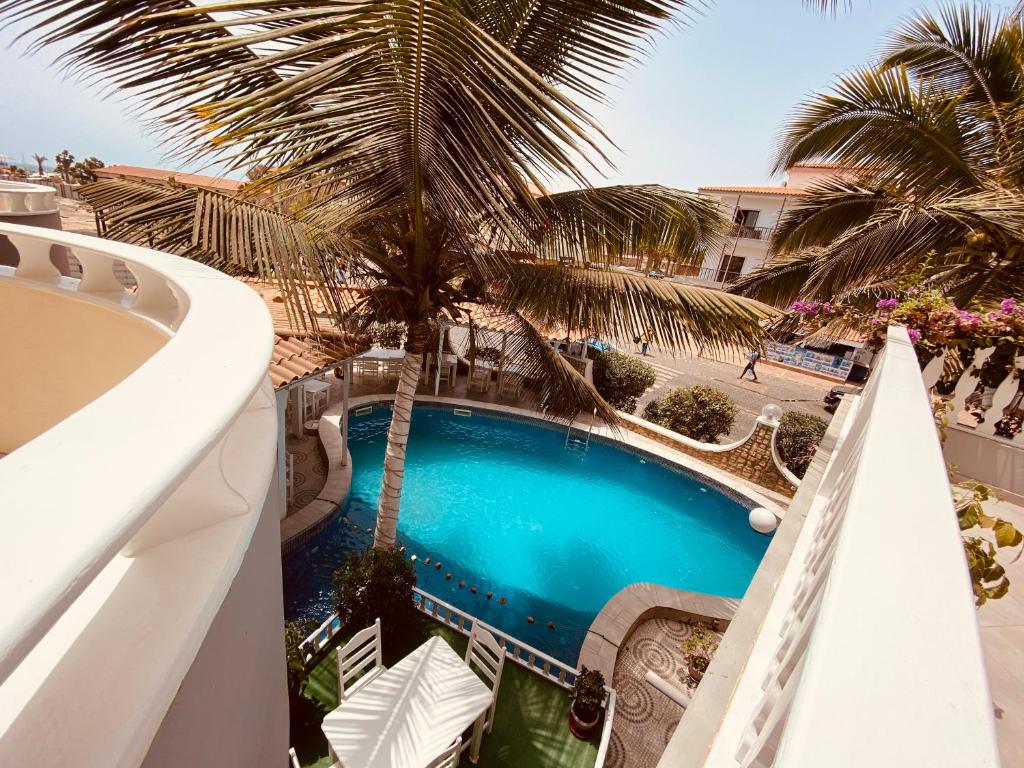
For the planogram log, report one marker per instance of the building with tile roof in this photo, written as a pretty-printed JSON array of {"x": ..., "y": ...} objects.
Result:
[{"x": 755, "y": 211}]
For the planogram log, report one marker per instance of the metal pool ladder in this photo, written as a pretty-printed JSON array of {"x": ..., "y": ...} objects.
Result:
[{"x": 576, "y": 444}]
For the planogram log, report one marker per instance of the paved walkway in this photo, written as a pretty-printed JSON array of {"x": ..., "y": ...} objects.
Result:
[{"x": 789, "y": 389}]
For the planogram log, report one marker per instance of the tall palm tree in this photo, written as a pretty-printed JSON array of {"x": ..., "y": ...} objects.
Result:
[
  {"x": 413, "y": 141},
  {"x": 933, "y": 132},
  {"x": 40, "y": 159}
]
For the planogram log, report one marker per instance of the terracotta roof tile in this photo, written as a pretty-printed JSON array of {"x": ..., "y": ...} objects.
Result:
[
  {"x": 298, "y": 352},
  {"x": 756, "y": 190},
  {"x": 295, "y": 358}
]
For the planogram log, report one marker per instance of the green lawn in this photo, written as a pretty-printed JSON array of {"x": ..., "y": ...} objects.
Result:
[{"x": 530, "y": 729}]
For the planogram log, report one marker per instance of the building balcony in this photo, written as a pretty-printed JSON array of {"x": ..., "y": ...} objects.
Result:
[
  {"x": 139, "y": 568},
  {"x": 751, "y": 233}
]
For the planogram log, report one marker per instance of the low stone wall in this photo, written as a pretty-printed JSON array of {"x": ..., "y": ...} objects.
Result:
[{"x": 750, "y": 458}]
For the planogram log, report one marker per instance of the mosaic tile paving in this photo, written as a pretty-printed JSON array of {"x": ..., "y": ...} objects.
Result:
[
  {"x": 645, "y": 719},
  {"x": 309, "y": 470}
]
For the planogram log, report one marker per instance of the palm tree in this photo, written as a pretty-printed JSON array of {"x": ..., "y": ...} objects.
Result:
[
  {"x": 412, "y": 141},
  {"x": 40, "y": 159},
  {"x": 933, "y": 132}
]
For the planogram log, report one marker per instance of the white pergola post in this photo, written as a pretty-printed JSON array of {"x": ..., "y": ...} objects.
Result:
[
  {"x": 344, "y": 410},
  {"x": 440, "y": 352}
]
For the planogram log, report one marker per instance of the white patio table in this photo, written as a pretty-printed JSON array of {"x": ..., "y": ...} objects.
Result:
[
  {"x": 407, "y": 716},
  {"x": 378, "y": 353}
]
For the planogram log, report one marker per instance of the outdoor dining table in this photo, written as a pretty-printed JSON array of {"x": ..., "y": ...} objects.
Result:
[
  {"x": 411, "y": 713},
  {"x": 378, "y": 353}
]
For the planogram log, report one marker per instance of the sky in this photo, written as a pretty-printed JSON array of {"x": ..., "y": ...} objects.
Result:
[{"x": 703, "y": 107}]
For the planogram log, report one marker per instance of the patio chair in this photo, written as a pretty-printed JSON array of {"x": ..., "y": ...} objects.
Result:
[
  {"x": 447, "y": 372},
  {"x": 362, "y": 368},
  {"x": 488, "y": 656},
  {"x": 480, "y": 381},
  {"x": 360, "y": 657},
  {"x": 449, "y": 758},
  {"x": 511, "y": 384},
  {"x": 392, "y": 370}
]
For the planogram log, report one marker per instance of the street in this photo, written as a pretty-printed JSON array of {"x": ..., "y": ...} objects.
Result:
[{"x": 789, "y": 389}]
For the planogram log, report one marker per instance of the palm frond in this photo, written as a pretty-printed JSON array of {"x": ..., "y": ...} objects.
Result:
[
  {"x": 896, "y": 240},
  {"x": 896, "y": 131},
  {"x": 829, "y": 209},
  {"x": 575, "y": 45},
  {"x": 233, "y": 235},
  {"x": 623, "y": 305},
  {"x": 780, "y": 281},
  {"x": 562, "y": 391},
  {"x": 601, "y": 224}
]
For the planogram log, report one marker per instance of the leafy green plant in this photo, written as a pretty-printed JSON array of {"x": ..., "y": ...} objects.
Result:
[
  {"x": 699, "y": 412},
  {"x": 376, "y": 584},
  {"x": 797, "y": 439},
  {"x": 621, "y": 379},
  {"x": 294, "y": 633},
  {"x": 587, "y": 693},
  {"x": 988, "y": 578},
  {"x": 699, "y": 647},
  {"x": 389, "y": 335}
]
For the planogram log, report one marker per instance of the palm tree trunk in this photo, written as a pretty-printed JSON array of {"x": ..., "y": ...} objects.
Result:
[{"x": 386, "y": 530}]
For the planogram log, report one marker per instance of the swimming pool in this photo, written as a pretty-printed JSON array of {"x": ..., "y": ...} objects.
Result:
[{"x": 505, "y": 508}]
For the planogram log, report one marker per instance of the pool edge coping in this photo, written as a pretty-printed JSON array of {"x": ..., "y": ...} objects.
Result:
[{"x": 638, "y": 602}]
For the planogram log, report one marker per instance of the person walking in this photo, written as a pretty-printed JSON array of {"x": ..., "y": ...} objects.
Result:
[
  {"x": 752, "y": 359},
  {"x": 645, "y": 342}
]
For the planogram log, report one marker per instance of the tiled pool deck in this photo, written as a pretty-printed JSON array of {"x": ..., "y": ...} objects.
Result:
[{"x": 645, "y": 718}]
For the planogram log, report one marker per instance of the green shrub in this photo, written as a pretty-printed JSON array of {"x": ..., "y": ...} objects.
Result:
[
  {"x": 621, "y": 379},
  {"x": 587, "y": 693},
  {"x": 376, "y": 584},
  {"x": 797, "y": 438},
  {"x": 294, "y": 633},
  {"x": 701, "y": 413},
  {"x": 389, "y": 335}
]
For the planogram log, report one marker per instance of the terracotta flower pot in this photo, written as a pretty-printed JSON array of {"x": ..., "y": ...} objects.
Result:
[{"x": 583, "y": 728}]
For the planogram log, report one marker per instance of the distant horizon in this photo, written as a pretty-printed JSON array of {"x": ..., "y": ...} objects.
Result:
[{"x": 704, "y": 107}]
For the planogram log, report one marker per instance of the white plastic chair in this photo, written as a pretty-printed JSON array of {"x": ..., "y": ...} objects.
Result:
[
  {"x": 447, "y": 372},
  {"x": 358, "y": 655},
  {"x": 392, "y": 370},
  {"x": 366, "y": 369},
  {"x": 487, "y": 655},
  {"x": 480, "y": 381},
  {"x": 449, "y": 758}
]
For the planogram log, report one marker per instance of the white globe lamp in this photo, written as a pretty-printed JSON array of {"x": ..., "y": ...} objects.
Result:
[
  {"x": 771, "y": 413},
  {"x": 762, "y": 520}
]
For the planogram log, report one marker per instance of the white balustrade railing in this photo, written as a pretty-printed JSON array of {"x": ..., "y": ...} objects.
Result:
[
  {"x": 988, "y": 404},
  {"x": 20, "y": 199},
  {"x": 864, "y": 646},
  {"x": 126, "y": 523}
]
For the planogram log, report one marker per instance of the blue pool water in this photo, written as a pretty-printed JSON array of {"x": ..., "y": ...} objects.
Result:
[{"x": 505, "y": 508}]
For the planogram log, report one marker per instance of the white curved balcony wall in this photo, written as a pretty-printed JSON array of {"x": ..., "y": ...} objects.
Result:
[
  {"x": 135, "y": 573},
  {"x": 34, "y": 205},
  {"x": 21, "y": 199}
]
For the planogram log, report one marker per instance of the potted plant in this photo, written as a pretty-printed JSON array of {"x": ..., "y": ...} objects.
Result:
[
  {"x": 587, "y": 696},
  {"x": 698, "y": 649}
]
